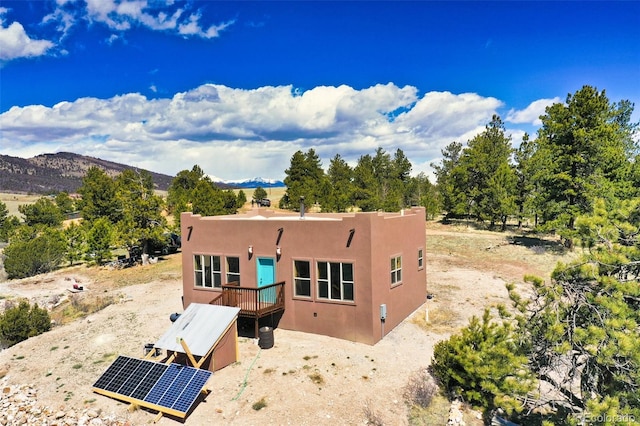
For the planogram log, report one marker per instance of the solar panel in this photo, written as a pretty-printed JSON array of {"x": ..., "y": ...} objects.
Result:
[{"x": 171, "y": 389}]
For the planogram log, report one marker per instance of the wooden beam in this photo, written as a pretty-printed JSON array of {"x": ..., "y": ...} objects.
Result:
[
  {"x": 161, "y": 409},
  {"x": 150, "y": 354},
  {"x": 188, "y": 352}
]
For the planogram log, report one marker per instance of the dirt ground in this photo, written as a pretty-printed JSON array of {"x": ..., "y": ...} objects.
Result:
[{"x": 304, "y": 379}]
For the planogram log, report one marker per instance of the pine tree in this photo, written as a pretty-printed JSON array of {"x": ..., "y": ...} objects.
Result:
[
  {"x": 484, "y": 365},
  {"x": 99, "y": 198},
  {"x": 581, "y": 328},
  {"x": 584, "y": 151},
  {"x": 340, "y": 177}
]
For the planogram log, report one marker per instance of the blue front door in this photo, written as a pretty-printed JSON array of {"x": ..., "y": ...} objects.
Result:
[{"x": 266, "y": 276}]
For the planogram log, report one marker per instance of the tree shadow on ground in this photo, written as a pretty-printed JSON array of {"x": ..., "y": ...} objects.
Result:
[{"x": 538, "y": 245}]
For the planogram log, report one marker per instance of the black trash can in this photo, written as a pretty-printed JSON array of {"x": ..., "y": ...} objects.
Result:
[{"x": 265, "y": 337}]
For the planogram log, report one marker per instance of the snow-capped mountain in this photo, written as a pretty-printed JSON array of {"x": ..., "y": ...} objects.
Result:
[{"x": 251, "y": 183}]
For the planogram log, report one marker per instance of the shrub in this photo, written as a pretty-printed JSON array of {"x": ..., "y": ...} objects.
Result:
[
  {"x": 34, "y": 252},
  {"x": 259, "y": 405},
  {"x": 18, "y": 323},
  {"x": 420, "y": 389},
  {"x": 484, "y": 365}
]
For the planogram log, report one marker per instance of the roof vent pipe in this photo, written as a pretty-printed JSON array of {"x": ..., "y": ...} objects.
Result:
[{"x": 302, "y": 207}]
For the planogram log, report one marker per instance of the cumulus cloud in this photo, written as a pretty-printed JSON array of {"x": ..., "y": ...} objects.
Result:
[
  {"x": 16, "y": 43},
  {"x": 532, "y": 113},
  {"x": 238, "y": 133}
]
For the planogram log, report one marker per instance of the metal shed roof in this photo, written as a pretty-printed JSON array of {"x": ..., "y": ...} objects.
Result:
[{"x": 200, "y": 326}]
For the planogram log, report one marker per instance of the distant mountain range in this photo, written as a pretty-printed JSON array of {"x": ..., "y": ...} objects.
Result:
[
  {"x": 64, "y": 171},
  {"x": 250, "y": 183}
]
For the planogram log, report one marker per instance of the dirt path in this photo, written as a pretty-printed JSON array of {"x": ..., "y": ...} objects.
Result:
[{"x": 303, "y": 379}]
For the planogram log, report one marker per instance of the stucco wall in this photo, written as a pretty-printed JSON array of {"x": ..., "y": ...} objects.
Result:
[{"x": 318, "y": 238}]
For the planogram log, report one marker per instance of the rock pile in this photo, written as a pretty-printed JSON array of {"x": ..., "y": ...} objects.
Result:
[
  {"x": 19, "y": 406},
  {"x": 455, "y": 414}
]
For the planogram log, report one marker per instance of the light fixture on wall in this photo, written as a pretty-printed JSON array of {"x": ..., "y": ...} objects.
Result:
[
  {"x": 278, "y": 251},
  {"x": 250, "y": 250}
]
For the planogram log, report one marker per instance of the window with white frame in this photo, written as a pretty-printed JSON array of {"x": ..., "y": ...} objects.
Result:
[
  {"x": 233, "y": 270},
  {"x": 302, "y": 278},
  {"x": 335, "y": 281},
  {"x": 420, "y": 258},
  {"x": 396, "y": 270},
  {"x": 207, "y": 272}
]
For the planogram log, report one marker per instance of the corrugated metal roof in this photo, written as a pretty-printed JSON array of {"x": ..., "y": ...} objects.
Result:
[{"x": 200, "y": 326}]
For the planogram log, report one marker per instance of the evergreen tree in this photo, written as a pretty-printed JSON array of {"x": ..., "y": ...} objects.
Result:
[
  {"x": 490, "y": 178},
  {"x": 525, "y": 188},
  {"x": 484, "y": 365},
  {"x": 401, "y": 179},
  {"x": 99, "y": 239},
  {"x": 180, "y": 193},
  {"x": 366, "y": 194},
  {"x": 76, "y": 245},
  {"x": 304, "y": 178},
  {"x": 18, "y": 323},
  {"x": 586, "y": 147},
  {"x": 207, "y": 199},
  {"x": 581, "y": 329},
  {"x": 427, "y": 196},
  {"x": 451, "y": 181},
  {"x": 258, "y": 194},
  {"x": 229, "y": 202},
  {"x": 64, "y": 202},
  {"x": 7, "y": 223},
  {"x": 99, "y": 197},
  {"x": 241, "y": 198},
  {"x": 141, "y": 220},
  {"x": 34, "y": 250},
  {"x": 43, "y": 212},
  {"x": 340, "y": 176}
]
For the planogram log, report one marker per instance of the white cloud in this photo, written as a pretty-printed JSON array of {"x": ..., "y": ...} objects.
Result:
[
  {"x": 15, "y": 43},
  {"x": 118, "y": 15},
  {"x": 238, "y": 133},
  {"x": 192, "y": 27},
  {"x": 122, "y": 15},
  {"x": 532, "y": 113}
]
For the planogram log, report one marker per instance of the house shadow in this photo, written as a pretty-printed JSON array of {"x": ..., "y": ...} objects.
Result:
[{"x": 247, "y": 326}]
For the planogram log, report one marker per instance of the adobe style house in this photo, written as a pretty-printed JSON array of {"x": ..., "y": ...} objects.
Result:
[{"x": 353, "y": 276}]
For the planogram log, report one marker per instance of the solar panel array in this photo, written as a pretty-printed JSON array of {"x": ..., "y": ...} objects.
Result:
[{"x": 171, "y": 389}]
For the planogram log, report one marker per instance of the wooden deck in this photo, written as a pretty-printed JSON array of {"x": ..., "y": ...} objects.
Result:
[{"x": 253, "y": 302}]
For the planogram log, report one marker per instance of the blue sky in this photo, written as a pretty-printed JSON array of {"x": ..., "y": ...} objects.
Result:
[{"x": 238, "y": 87}]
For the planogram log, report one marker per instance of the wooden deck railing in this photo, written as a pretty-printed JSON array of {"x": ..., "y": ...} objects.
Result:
[{"x": 253, "y": 302}]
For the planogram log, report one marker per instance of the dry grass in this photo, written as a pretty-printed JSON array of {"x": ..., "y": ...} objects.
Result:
[
  {"x": 168, "y": 268},
  {"x": 316, "y": 378},
  {"x": 441, "y": 320},
  {"x": 509, "y": 252},
  {"x": 80, "y": 307},
  {"x": 12, "y": 201},
  {"x": 436, "y": 414},
  {"x": 104, "y": 280}
]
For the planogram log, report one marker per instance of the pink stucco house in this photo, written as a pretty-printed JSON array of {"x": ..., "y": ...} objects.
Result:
[{"x": 353, "y": 276}]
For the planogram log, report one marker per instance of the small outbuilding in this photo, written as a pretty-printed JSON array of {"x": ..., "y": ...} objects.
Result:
[
  {"x": 204, "y": 336},
  {"x": 354, "y": 276}
]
